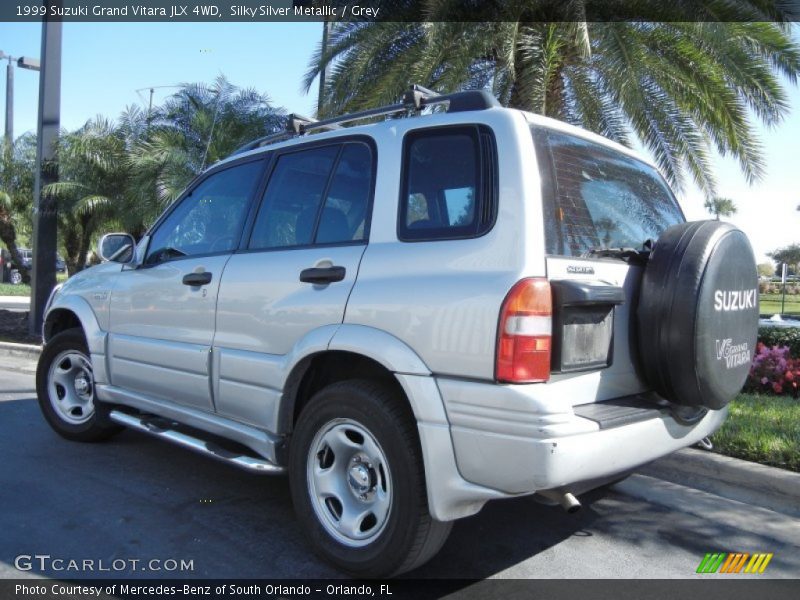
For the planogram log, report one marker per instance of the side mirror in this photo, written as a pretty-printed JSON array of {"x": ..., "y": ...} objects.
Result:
[{"x": 116, "y": 247}]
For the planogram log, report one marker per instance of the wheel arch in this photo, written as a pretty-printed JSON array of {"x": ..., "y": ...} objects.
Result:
[
  {"x": 73, "y": 311},
  {"x": 449, "y": 495},
  {"x": 58, "y": 320},
  {"x": 349, "y": 354}
]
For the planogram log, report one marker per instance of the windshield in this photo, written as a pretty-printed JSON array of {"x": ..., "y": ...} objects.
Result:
[{"x": 596, "y": 197}]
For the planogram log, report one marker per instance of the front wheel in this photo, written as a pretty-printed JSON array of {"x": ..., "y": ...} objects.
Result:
[
  {"x": 358, "y": 483},
  {"x": 65, "y": 389}
]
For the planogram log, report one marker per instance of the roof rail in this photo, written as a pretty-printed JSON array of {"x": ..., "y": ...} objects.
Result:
[
  {"x": 263, "y": 141},
  {"x": 298, "y": 123},
  {"x": 294, "y": 127},
  {"x": 414, "y": 100}
]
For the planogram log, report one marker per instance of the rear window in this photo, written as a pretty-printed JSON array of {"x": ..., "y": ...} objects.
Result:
[{"x": 595, "y": 197}]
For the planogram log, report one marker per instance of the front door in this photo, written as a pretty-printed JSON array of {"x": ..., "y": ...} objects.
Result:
[{"x": 162, "y": 313}]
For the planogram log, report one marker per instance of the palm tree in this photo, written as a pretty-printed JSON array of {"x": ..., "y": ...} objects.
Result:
[
  {"x": 122, "y": 175},
  {"x": 16, "y": 194},
  {"x": 93, "y": 187},
  {"x": 195, "y": 127},
  {"x": 720, "y": 207},
  {"x": 681, "y": 88},
  {"x": 788, "y": 254}
]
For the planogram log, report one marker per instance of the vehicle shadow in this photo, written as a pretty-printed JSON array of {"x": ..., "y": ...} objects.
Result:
[{"x": 506, "y": 533}]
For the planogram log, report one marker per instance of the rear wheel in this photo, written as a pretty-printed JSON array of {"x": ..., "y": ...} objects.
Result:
[
  {"x": 65, "y": 389},
  {"x": 358, "y": 484}
]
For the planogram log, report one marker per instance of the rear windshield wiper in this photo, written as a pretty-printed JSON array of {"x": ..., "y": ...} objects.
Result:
[{"x": 629, "y": 255}]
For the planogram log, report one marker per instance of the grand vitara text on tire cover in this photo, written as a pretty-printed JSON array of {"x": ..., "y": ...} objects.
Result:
[{"x": 409, "y": 318}]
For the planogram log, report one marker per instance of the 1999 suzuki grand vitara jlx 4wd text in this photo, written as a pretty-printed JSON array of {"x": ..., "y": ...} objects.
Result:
[{"x": 412, "y": 317}]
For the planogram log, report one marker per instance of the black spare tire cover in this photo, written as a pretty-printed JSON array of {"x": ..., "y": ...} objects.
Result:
[{"x": 698, "y": 314}]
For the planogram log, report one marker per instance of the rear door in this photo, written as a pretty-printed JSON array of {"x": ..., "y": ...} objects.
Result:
[
  {"x": 294, "y": 272},
  {"x": 601, "y": 207}
]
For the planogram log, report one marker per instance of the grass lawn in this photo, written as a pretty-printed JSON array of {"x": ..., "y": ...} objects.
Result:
[
  {"x": 763, "y": 429},
  {"x": 771, "y": 304},
  {"x": 6, "y": 289}
]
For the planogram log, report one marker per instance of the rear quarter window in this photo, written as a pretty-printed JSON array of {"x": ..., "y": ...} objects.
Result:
[
  {"x": 596, "y": 197},
  {"x": 449, "y": 186}
]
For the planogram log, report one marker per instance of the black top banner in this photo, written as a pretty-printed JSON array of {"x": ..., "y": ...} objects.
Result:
[{"x": 530, "y": 11}]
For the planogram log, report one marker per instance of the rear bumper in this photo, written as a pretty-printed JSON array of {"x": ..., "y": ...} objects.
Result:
[{"x": 506, "y": 439}]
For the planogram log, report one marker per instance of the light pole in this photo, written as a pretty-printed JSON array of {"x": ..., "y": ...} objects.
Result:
[
  {"x": 9, "y": 102},
  {"x": 24, "y": 62},
  {"x": 45, "y": 208}
]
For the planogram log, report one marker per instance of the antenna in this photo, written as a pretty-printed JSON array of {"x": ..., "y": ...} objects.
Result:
[{"x": 211, "y": 133}]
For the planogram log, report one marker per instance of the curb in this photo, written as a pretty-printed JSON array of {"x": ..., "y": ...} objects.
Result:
[
  {"x": 714, "y": 511},
  {"x": 22, "y": 350},
  {"x": 16, "y": 302},
  {"x": 752, "y": 483}
]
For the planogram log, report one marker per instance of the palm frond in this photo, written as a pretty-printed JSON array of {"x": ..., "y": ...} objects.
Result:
[{"x": 685, "y": 89}]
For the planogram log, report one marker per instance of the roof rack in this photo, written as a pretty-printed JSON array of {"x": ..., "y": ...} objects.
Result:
[
  {"x": 294, "y": 125},
  {"x": 413, "y": 101}
]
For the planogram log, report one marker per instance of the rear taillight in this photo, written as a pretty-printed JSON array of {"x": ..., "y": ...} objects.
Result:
[{"x": 524, "y": 333}]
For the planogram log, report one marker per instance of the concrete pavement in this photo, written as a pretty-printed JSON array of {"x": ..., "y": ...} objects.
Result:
[{"x": 136, "y": 497}]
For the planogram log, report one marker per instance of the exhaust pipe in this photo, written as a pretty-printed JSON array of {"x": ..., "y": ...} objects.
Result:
[{"x": 564, "y": 499}]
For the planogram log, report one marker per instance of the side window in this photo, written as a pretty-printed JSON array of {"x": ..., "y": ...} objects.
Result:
[
  {"x": 343, "y": 217},
  {"x": 210, "y": 218},
  {"x": 317, "y": 196},
  {"x": 449, "y": 186},
  {"x": 288, "y": 212}
]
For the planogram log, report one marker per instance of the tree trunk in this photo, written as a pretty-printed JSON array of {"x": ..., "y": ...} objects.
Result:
[
  {"x": 71, "y": 243},
  {"x": 554, "y": 94},
  {"x": 83, "y": 249},
  {"x": 138, "y": 232},
  {"x": 516, "y": 99}
]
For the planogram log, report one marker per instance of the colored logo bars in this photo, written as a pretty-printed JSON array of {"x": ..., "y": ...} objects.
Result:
[{"x": 725, "y": 562}]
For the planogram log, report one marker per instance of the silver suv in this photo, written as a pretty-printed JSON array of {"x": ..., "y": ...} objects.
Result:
[{"x": 410, "y": 318}]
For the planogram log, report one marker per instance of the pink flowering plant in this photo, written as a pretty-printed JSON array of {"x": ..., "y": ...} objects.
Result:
[{"x": 774, "y": 370}]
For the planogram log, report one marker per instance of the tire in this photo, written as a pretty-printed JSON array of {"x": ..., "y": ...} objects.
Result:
[
  {"x": 65, "y": 390},
  {"x": 15, "y": 278},
  {"x": 355, "y": 451},
  {"x": 698, "y": 315}
]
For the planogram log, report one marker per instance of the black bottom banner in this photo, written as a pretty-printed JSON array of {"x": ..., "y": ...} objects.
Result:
[{"x": 399, "y": 589}]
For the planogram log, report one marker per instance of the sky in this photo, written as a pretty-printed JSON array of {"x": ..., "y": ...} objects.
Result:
[{"x": 107, "y": 66}]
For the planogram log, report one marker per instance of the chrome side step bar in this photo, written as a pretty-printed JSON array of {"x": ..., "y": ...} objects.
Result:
[{"x": 155, "y": 426}]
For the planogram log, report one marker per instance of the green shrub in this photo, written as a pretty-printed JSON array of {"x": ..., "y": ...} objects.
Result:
[{"x": 781, "y": 336}]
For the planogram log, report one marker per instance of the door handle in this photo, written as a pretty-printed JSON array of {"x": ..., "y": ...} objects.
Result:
[
  {"x": 195, "y": 279},
  {"x": 322, "y": 274}
]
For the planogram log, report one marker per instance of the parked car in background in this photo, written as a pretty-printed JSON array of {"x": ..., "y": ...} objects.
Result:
[
  {"x": 61, "y": 265},
  {"x": 26, "y": 254}
]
